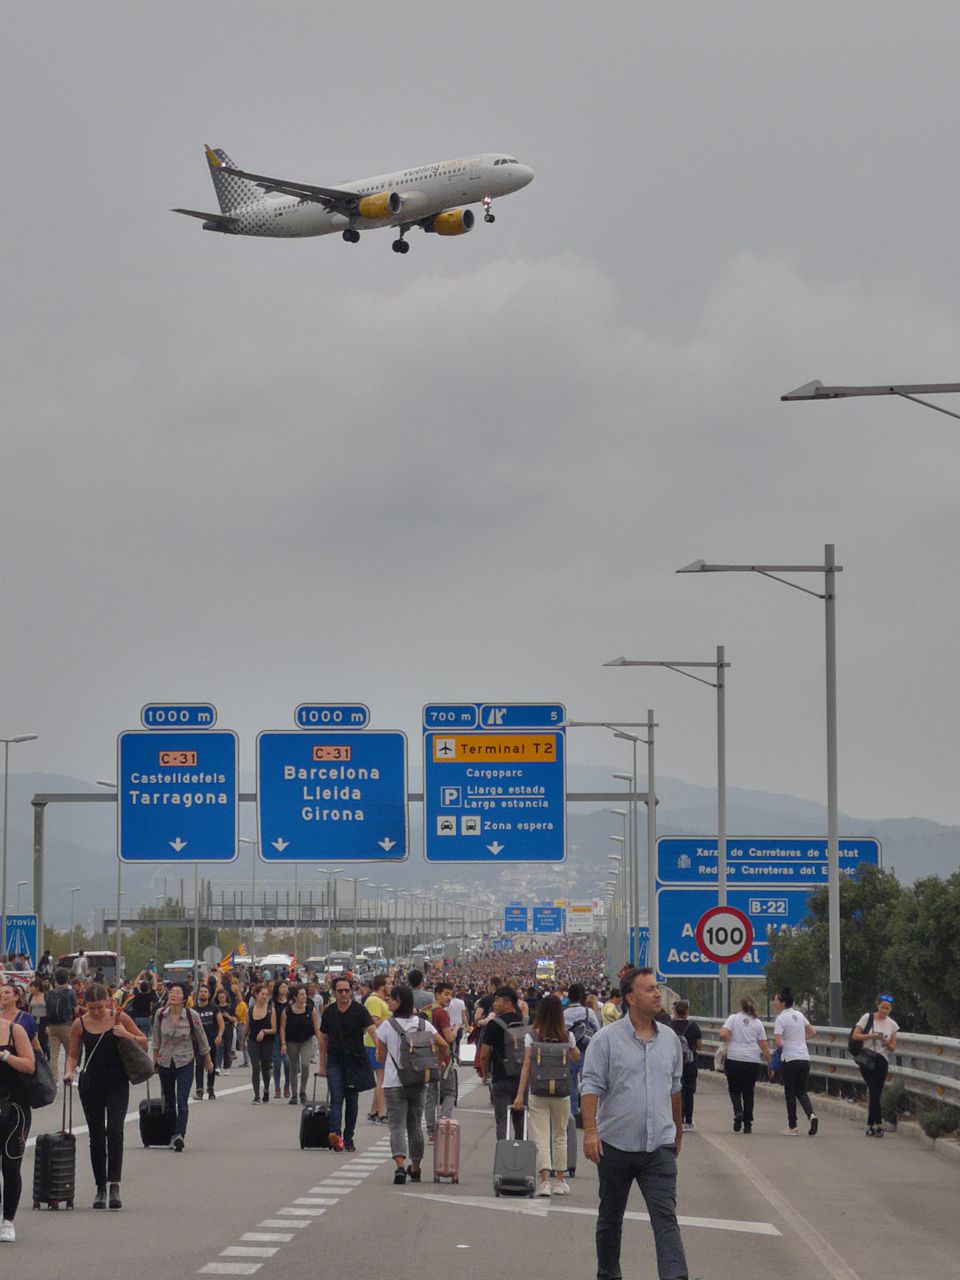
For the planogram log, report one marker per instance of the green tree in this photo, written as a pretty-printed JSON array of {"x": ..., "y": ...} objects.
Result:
[{"x": 922, "y": 963}]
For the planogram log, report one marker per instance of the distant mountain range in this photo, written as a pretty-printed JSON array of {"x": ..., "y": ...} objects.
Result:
[{"x": 80, "y": 844}]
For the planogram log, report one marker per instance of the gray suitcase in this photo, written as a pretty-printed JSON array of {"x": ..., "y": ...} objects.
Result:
[{"x": 515, "y": 1165}]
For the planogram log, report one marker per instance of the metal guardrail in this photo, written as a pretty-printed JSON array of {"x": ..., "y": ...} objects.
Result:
[{"x": 928, "y": 1065}]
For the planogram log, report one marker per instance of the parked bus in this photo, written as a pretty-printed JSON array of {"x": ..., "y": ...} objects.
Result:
[{"x": 106, "y": 961}]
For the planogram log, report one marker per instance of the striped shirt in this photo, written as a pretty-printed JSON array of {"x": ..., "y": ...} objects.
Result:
[{"x": 634, "y": 1080}]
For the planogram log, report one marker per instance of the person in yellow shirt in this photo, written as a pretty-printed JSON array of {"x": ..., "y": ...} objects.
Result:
[
  {"x": 376, "y": 1005},
  {"x": 611, "y": 1008},
  {"x": 243, "y": 1026}
]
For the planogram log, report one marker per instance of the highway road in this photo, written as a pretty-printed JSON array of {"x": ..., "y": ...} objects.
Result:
[{"x": 244, "y": 1200}]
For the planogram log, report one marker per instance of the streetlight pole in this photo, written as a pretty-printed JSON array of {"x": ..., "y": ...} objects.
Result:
[
  {"x": 815, "y": 390},
  {"x": 829, "y": 569},
  {"x": 683, "y": 668},
  {"x": 23, "y": 737},
  {"x": 156, "y": 927},
  {"x": 73, "y": 892}
]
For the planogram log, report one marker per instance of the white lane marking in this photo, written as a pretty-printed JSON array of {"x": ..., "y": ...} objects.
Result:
[
  {"x": 313, "y": 1200},
  {"x": 230, "y": 1269},
  {"x": 281, "y": 1237},
  {"x": 248, "y": 1251},
  {"x": 540, "y": 1208},
  {"x": 282, "y": 1222},
  {"x": 832, "y": 1262},
  {"x": 329, "y": 1200},
  {"x": 302, "y": 1212}
]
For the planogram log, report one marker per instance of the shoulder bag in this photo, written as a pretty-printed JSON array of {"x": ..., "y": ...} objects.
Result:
[{"x": 136, "y": 1062}]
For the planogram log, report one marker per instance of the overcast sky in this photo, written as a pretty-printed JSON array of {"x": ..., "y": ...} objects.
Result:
[{"x": 264, "y": 472}]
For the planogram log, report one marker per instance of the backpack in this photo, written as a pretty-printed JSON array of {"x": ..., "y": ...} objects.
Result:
[
  {"x": 418, "y": 1054},
  {"x": 60, "y": 1007},
  {"x": 856, "y": 1047},
  {"x": 689, "y": 1057},
  {"x": 550, "y": 1071},
  {"x": 583, "y": 1031},
  {"x": 514, "y": 1050}
]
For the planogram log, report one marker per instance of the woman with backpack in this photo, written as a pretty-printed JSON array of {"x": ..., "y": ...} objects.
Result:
[
  {"x": 691, "y": 1040},
  {"x": 876, "y": 1035},
  {"x": 746, "y": 1039},
  {"x": 405, "y": 1042},
  {"x": 584, "y": 1024},
  {"x": 551, "y": 1050},
  {"x": 177, "y": 1041}
]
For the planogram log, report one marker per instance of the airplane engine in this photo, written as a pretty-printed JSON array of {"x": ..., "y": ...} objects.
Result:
[
  {"x": 455, "y": 222},
  {"x": 383, "y": 205}
]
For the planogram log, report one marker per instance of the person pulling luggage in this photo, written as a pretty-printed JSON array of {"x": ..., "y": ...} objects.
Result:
[
  {"x": 343, "y": 1060},
  {"x": 16, "y": 1064},
  {"x": 550, "y": 1051},
  {"x": 407, "y": 1046},
  {"x": 501, "y": 1059},
  {"x": 442, "y": 1097}
]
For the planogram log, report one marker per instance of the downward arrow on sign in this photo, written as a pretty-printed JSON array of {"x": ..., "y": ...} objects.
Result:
[
  {"x": 280, "y": 844},
  {"x": 386, "y": 844},
  {"x": 178, "y": 844},
  {"x": 495, "y": 848}
]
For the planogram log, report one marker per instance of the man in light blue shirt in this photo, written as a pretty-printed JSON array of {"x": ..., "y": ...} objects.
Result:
[{"x": 630, "y": 1099}]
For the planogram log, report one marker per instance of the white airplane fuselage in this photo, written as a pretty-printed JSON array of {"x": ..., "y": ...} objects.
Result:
[{"x": 423, "y": 192}]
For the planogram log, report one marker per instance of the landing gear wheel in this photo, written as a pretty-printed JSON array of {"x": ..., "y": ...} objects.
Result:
[
  {"x": 351, "y": 236},
  {"x": 487, "y": 201},
  {"x": 400, "y": 246},
  {"x": 489, "y": 217}
]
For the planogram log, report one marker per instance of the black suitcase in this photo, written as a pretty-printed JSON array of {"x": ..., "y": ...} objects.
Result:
[
  {"x": 515, "y": 1165},
  {"x": 155, "y": 1130},
  {"x": 55, "y": 1163},
  {"x": 571, "y": 1148},
  {"x": 315, "y": 1123}
]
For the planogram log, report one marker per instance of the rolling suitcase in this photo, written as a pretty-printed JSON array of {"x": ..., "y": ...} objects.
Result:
[
  {"x": 315, "y": 1122},
  {"x": 515, "y": 1165},
  {"x": 55, "y": 1163},
  {"x": 155, "y": 1130},
  {"x": 446, "y": 1150}
]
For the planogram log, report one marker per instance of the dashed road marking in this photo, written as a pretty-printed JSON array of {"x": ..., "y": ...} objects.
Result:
[
  {"x": 247, "y": 1251},
  {"x": 281, "y": 1237}
]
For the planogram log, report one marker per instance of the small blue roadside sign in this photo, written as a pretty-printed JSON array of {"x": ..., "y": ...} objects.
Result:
[
  {"x": 790, "y": 862},
  {"x": 332, "y": 715},
  {"x": 494, "y": 785},
  {"x": 516, "y": 919},
  {"x": 679, "y": 910},
  {"x": 548, "y": 919},
  {"x": 332, "y": 795},
  {"x": 178, "y": 715},
  {"x": 177, "y": 796},
  {"x": 21, "y": 937}
]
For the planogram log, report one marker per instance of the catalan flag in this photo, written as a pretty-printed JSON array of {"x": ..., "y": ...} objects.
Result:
[{"x": 227, "y": 963}]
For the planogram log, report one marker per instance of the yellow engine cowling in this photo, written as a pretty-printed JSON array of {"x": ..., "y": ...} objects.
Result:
[
  {"x": 383, "y": 205},
  {"x": 455, "y": 222}
]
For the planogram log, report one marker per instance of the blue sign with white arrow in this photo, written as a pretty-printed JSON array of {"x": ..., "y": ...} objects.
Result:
[
  {"x": 21, "y": 937},
  {"x": 516, "y": 919},
  {"x": 177, "y": 796},
  {"x": 548, "y": 919},
  {"x": 332, "y": 795},
  {"x": 495, "y": 792}
]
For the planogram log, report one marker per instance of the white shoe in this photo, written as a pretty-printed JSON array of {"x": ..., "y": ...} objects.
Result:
[
  {"x": 789, "y": 1133},
  {"x": 225, "y": 1071},
  {"x": 561, "y": 1187},
  {"x": 544, "y": 1188},
  {"x": 685, "y": 1128},
  {"x": 7, "y": 1233}
]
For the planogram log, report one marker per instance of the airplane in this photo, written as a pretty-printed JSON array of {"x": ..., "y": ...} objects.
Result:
[{"x": 434, "y": 197}]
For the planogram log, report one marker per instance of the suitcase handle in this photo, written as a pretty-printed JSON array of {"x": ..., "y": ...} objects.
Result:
[
  {"x": 316, "y": 1077},
  {"x": 66, "y": 1128}
]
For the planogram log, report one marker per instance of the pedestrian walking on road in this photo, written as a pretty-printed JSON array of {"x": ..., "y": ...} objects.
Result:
[
  {"x": 281, "y": 998},
  {"x": 877, "y": 1032},
  {"x": 690, "y": 1033},
  {"x": 177, "y": 1040},
  {"x": 791, "y": 1032},
  {"x": 584, "y": 1023},
  {"x": 212, "y": 1022},
  {"x": 630, "y": 1095},
  {"x": 298, "y": 1026},
  {"x": 61, "y": 1010},
  {"x": 262, "y": 1031},
  {"x": 343, "y": 1060},
  {"x": 405, "y": 1101},
  {"x": 549, "y": 1107},
  {"x": 104, "y": 1088},
  {"x": 746, "y": 1039},
  {"x": 16, "y": 1064},
  {"x": 441, "y": 1097},
  {"x": 378, "y": 1009},
  {"x": 498, "y": 1061},
  {"x": 223, "y": 1059}
]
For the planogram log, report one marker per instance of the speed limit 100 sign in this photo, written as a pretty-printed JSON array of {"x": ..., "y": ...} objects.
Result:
[{"x": 724, "y": 935}]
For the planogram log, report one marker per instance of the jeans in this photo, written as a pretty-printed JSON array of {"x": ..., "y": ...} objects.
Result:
[
  {"x": 741, "y": 1082},
  {"x": 261, "y": 1060},
  {"x": 105, "y": 1108},
  {"x": 502, "y": 1093},
  {"x": 175, "y": 1085},
  {"x": 280, "y": 1059},
  {"x": 441, "y": 1097},
  {"x": 688, "y": 1087},
  {"x": 795, "y": 1076},
  {"x": 655, "y": 1173},
  {"x": 299, "y": 1052},
  {"x": 340, "y": 1095},
  {"x": 874, "y": 1076},
  {"x": 405, "y": 1114},
  {"x": 143, "y": 1024}
]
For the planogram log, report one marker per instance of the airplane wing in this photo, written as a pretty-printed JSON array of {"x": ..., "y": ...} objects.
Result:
[
  {"x": 329, "y": 197},
  {"x": 223, "y": 221}
]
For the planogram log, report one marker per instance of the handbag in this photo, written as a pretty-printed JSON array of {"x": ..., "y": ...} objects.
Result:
[
  {"x": 720, "y": 1056},
  {"x": 137, "y": 1063},
  {"x": 358, "y": 1074},
  {"x": 41, "y": 1086}
]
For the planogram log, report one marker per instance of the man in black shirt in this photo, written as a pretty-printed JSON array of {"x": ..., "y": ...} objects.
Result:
[
  {"x": 342, "y": 1060},
  {"x": 503, "y": 1087},
  {"x": 691, "y": 1039}
]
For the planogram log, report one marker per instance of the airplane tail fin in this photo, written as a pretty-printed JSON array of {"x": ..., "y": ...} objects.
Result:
[{"x": 231, "y": 192}]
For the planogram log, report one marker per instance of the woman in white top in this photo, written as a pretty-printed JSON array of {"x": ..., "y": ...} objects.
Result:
[
  {"x": 746, "y": 1042},
  {"x": 791, "y": 1032},
  {"x": 549, "y": 1112},
  {"x": 405, "y": 1102},
  {"x": 878, "y": 1032}
]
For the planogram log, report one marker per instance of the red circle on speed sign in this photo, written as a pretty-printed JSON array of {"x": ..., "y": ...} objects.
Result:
[{"x": 724, "y": 935}]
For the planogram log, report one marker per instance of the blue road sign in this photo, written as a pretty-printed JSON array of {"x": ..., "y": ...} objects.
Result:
[
  {"x": 21, "y": 937},
  {"x": 679, "y": 910},
  {"x": 789, "y": 862},
  {"x": 177, "y": 796},
  {"x": 516, "y": 920},
  {"x": 548, "y": 919},
  {"x": 640, "y": 950},
  {"x": 502, "y": 944},
  {"x": 332, "y": 715},
  {"x": 496, "y": 793},
  {"x": 332, "y": 795},
  {"x": 178, "y": 715}
]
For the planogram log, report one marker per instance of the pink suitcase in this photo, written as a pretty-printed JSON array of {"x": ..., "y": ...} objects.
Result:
[{"x": 446, "y": 1151}]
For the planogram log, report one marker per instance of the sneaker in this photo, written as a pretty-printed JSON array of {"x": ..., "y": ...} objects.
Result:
[
  {"x": 336, "y": 1142},
  {"x": 100, "y": 1199},
  {"x": 199, "y": 1095},
  {"x": 225, "y": 1071},
  {"x": 737, "y": 1123},
  {"x": 292, "y": 1102},
  {"x": 348, "y": 1146},
  {"x": 431, "y": 1137},
  {"x": 115, "y": 1201},
  {"x": 789, "y": 1133},
  {"x": 7, "y": 1233},
  {"x": 413, "y": 1174},
  {"x": 399, "y": 1177},
  {"x": 814, "y": 1126},
  {"x": 179, "y": 1142},
  {"x": 383, "y": 1120},
  {"x": 561, "y": 1187},
  {"x": 211, "y": 1096},
  {"x": 685, "y": 1128},
  {"x": 748, "y": 1126},
  {"x": 303, "y": 1099},
  {"x": 266, "y": 1095},
  {"x": 878, "y": 1132},
  {"x": 871, "y": 1132},
  {"x": 544, "y": 1187},
  {"x": 372, "y": 1117},
  {"x": 286, "y": 1091},
  {"x": 255, "y": 1098}
]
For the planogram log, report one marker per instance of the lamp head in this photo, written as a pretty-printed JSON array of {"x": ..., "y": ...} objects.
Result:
[
  {"x": 809, "y": 391},
  {"x": 695, "y": 566}
]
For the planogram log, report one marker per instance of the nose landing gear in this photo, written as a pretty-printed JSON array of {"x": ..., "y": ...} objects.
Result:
[{"x": 487, "y": 215}]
